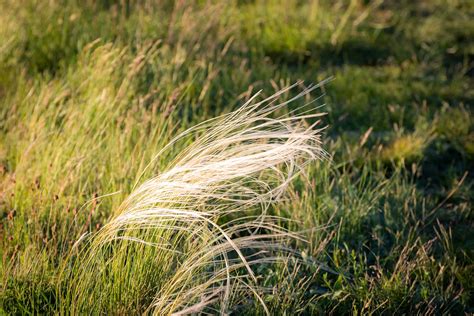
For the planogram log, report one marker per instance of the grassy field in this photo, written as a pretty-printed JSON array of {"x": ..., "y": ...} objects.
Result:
[{"x": 90, "y": 91}]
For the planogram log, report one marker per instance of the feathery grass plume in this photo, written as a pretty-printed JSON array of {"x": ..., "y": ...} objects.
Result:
[{"x": 188, "y": 239}]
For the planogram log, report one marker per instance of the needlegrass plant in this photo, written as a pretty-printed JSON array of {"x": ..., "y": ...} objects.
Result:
[{"x": 172, "y": 157}]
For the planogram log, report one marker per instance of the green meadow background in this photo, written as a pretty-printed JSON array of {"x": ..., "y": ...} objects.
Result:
[{"x": 91, "y": 90}]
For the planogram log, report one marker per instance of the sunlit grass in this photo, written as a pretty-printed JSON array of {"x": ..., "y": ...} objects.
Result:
[{"x": 91, "y": 91}]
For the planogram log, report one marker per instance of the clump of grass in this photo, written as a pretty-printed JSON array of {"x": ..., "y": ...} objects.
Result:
[
  {"x": 455, "y": 125},
  {"x": 168, "y": 239},
  {"x": 405, "y": 148}
]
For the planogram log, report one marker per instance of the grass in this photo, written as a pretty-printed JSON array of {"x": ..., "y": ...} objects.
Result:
[{"x": 91, "y": 91}]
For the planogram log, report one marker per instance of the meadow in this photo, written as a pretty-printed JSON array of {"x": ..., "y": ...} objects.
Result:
[{"x": 92, "y": 91}]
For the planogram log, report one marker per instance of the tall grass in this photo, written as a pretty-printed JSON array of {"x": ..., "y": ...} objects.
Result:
[
  {"x": 168, "y": 240},
  {"x": 91, "y": 91}
]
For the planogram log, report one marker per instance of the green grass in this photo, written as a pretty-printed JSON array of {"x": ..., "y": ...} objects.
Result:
[{"x": 90, "y": 91}]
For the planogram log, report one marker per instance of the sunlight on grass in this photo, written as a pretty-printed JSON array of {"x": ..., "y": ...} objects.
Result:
[{"x": 91, "y": 91}]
